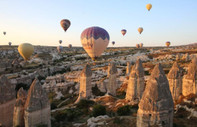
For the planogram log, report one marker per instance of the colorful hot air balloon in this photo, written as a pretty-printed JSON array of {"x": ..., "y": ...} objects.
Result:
[
  {"x": 140, "y": 30},
  {"x": 94, "y": 40},
  {"x": 113, "y": 42},
  {"x": 4, "y": 33},
  {"x": 10, "y": 43},
  {"x": 148, "y": 7},
  {"x": 26, "y": 50},
  {"x": 167, "y": 43},
  {"x": 137, "y": 45},
  {"x": 60, "y": 41},
  {"x": 69, "y": 46},
  {"x": 59, "y": 49},
  {"x": 65, "y": 23},
  {"x": 141, "y": 45},
  {"x": 123, "y": 31}
]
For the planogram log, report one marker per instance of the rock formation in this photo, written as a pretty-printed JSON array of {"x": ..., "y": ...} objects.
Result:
[
  {"x": 112, "y": 86},
  {"x": 18, "y": 117},
  {"x": 85, "y": 90},
  {"x": 37, "y": 107},
  {"x": 156, "y": 105},
  {"x": 189, "y": 80},
  {"x": 175, "y": 81},
  {"x": 136, "y": 83},
  {"x": 7, "y": 101},
  {"x": 128, "y": 70},
  {"x": 178, "y": 56},
  {"x": 187, "y": 58}
]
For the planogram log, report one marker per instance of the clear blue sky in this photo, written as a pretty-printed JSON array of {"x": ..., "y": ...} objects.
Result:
[{"x": 38, "y": 21}]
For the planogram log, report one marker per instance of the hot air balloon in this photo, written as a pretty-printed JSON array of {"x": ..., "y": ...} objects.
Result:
[
  {"x": 10, "y": 43},
  {"x": 123, "y": 31},
  {"x": 59, "y": 49},
  {"x": 26, "y": 50},
  {"x": 140, "y": 30},
  {"x": 167, "y": 43},
  {"x": 65, "y": 23},
  {"x": 94, "y": 40},
  {"x": 113, "y": 42},
  {"x": 141, "y": 45},
  {"x": 148, "y": 7},
  {"x": 60, "y": 41},
  {"x": 137, "y": 45},
  {"x": 4, "y": 33},
  {"x": 69, "y": 46}
]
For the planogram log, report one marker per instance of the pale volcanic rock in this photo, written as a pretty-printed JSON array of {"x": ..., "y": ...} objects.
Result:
[
  {"x": 156, "y": 105},
  {"x": 175, "y": 81},
  {"x": 128, "y": 69},
  {"x": 189, "y": 80},
  {"x": 85, "y": 90},
  {"x": 7, "y": 101},
  {"x": 112, "y": 86},
  {"x": 37, "y": 106},
  {"x": 136, "y": 83}
]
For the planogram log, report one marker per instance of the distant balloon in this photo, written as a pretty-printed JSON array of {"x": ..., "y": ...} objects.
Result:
[
  {"x": 60, "y": 41},
  {"x": 140, "y": 30},
  {"x": 26, "y": 50},
  {"x": 141, "y": 45},
  {"x": 65, "y": 23},
  {"x": 123, "y": 31},
  {"x": 113, "y": 42},
  {"x": 148, "y": 7},
  {"x": 59, "y": 49},
  {"x": 137, "y": 46},
  {"x": 167, "y": 43},
  {"x": 94, "y": 40},
  {"x": 4, "y": 33},
  {"x": 10, "y": 43},
  {"x": 69, "y": 46}
]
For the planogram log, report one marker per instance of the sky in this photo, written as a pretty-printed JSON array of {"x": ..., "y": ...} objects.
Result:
[{"x": 38, "y": 21}]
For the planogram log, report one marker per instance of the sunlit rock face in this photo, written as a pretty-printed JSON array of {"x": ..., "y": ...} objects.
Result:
[
  {"x": 37, "y": 107},
  {"x": 189, "y": 80},
  {"x": 136, "y": 83},
  {"x": 156, "y": 105},
  {"x": 85, "y": 90},
  {"x": 18, "y": 117},
  {"x": 175, "y": 81},
  {"x": 112, "y": 72},
  {"x": 128, "y": 69},
  {"x": 7, "y": 101}
]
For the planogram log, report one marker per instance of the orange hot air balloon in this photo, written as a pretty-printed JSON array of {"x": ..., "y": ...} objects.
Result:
[
  {"x": 140, "y": 30},
  {"x": 148, "y": 7},
  {"x": 123, "y": 31},
  {"x": 141, "y": 45},
  {"x": 26, "y": 50},
  {"x": 69, "y": 46},
  {"x": 168, "y": 43},
  {"x": 137, "y": 46},
  {"x": 65, "y": 23}
]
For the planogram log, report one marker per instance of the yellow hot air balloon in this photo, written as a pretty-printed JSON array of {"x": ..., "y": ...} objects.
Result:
[
  {"x": 140, "y": 30},
  {"x": 167, "y": 43},
  {"x": 26, "y": 50},
  {"x": 149, "y": 6}
]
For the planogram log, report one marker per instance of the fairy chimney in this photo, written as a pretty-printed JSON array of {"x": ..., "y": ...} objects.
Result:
[
  {"x": 156, "y": 105},
  {"x": 37, "y": 107},
  {"x": 189, "y": 80},
  {"x": 18, "y": 117},
  {"x": 85, "y": 91},
  {"x": 112, "y": 86},
  {"x": 175, "y": 81},
  {"x": 128, "y": 69},
  {"x": 7, "y": 101},
  {"x": 136, "y": 83}
]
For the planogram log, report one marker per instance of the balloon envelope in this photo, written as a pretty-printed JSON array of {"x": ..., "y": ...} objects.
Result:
[
  {"x": 113, "y": 42},
  {"x": 69, "y": 46},
  {"x": 141, "y": 45},
  {"x": 10, "y": 43},
  {"x": 137, "y": 45},
  {"x": 123, "y": 31},
  {"x": 94, "y": 40},
  {"x": 4, "y": 33},
  {"x": 26, "y": 50},
  {"x": 140, "y": 30},
  {"x": 65, "y": 23},
  {"x": 60, "y": 41},
  {"x": 167, "y": 43},
  {"x": 148, "y": 7},
  {"x": 59, "y": 48}
]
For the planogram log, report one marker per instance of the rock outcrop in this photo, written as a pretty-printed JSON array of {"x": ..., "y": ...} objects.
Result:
[
  {"x": 156, "y": 105},
  {"x": 85, "y": 90},
  {"x": 190, "y": 79},
  {"x": 7, "y": 101},
  {"x": 128, "y": 69},
  {"x": 136, "y": 83},
  {"x": 112, "y": 86},
  {"x": 37, "y": 107},
  {"x": 18, "y": 117},
  {"x": 175, "y": 81}
]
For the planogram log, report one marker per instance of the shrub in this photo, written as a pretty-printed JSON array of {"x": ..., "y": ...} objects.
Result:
[
  {"x": 98, "y": 110},
  {"x": 124, "y": 110},
  {"x": 84, "y": 103},
  {"x": 96, "y": 91}
]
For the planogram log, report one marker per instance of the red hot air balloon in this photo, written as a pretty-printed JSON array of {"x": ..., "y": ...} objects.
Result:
[
  {"x": 65, "y": 23},
  {"x": 123, "y": 31}
]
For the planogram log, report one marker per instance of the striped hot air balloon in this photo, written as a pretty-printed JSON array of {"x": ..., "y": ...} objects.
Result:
[
  {"x": 65, "y": 24},
  {"x": 123, "y": 31}
]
